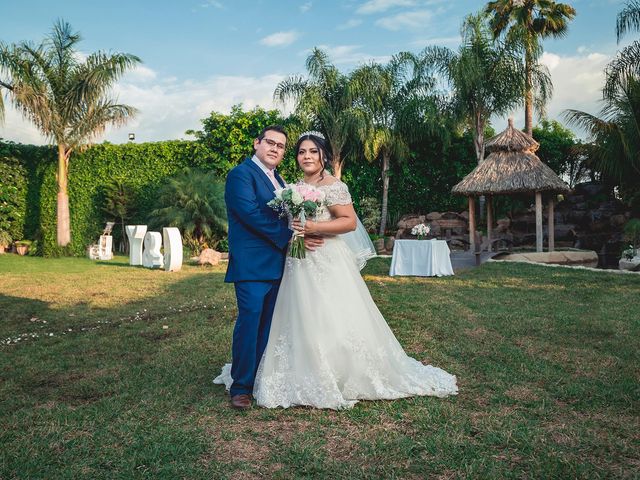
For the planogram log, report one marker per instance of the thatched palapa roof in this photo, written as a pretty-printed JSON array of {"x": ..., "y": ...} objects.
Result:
[
  {"x": 511, "y": 140},
  {"x": 512, "y": 167}
]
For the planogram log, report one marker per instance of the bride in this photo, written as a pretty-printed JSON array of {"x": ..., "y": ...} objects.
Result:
[{"x": 329, "y": 345}]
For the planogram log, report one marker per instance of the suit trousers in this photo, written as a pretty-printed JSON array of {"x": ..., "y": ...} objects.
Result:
[{"x": 256, "y": 301}]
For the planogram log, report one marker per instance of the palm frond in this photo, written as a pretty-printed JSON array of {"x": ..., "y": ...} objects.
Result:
[
  {"x": 624, "y": 65},
  {"x": 628, "y": 19}
]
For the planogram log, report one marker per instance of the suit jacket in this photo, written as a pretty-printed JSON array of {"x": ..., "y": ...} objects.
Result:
[{"x": 258, "y": 238}]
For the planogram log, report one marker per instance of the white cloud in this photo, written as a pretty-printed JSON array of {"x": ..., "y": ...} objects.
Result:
[
  {"x": 349, "y": 24},
  {"x": 280, "y": 39},
  {"x": 141, "y": 74},
  {"x": 377, "y": 6},
  {"x": 577, "y": 81},
  {"x": 212, "y": 3},
  {"x": 349, "y": 55},
  {"x": 305, "y": 7},
  {"x": 16, "y": 129},
  {"x": 167, "y": 107},
  {"x": 450, "y": 42},
  {"x": 413, "y": 20},
  {"x": 577, "y": 85}
]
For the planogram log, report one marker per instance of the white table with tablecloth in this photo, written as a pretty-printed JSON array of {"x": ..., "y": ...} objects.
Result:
[{"x": 421, "y": 258}]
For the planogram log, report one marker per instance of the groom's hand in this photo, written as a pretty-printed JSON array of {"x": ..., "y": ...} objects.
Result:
[{"x": 311, "y": 242}]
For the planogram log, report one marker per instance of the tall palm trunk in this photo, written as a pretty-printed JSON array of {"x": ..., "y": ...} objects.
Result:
[
  {"x": 478, "y": 138},
  {"x": 478, "y": 145},
  {"x": 385, "y": 191},
  {"x": 63, "y": 219},
  {"x": 336, "y": 164},
  {"x": 528, "y": 92}
]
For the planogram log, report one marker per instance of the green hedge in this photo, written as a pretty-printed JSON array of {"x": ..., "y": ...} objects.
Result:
[
  {"x": 143, "y": 166},
  {"x": 13, "y": 196}
]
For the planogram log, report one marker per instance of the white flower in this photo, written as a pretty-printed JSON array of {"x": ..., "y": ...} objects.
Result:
[
  {"x": 421, "y": 230},
  {"x": 278, "y": 192},
  {"x": 296, "y": 198}
]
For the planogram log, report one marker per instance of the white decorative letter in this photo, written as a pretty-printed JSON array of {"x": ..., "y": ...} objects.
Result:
[
  {"x": 172, "y": 249},
  {"x": 136, "y": 235},
  {"x": 151, "y": 257}
]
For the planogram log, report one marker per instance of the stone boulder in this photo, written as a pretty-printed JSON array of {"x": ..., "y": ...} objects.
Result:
[
  {"x": 632, "y": 264},
  {"x": 407, "y": 222},
  {"x": 580, "y": 258},
  {"x": 209, "y": 256}
]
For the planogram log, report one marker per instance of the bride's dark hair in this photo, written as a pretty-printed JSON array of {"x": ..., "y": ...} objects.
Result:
[{"x": 320, "y": 143}]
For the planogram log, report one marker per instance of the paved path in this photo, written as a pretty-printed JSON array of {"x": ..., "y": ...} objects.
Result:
[{"x": 462, "y": 260}]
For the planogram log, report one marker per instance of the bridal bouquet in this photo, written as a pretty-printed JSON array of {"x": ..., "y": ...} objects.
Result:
[
  {"x": 421, "y": 230},
  {"x": 300, "y": 201}
]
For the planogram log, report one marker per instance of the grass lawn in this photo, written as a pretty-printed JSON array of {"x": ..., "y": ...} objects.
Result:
[{"x": 111, "y": 378}]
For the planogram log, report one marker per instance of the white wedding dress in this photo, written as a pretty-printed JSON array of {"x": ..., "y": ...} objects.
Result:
[{"x": 329, "y": 345}]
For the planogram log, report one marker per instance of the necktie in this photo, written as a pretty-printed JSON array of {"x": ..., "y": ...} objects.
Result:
[{"x": 272, "y": 177}]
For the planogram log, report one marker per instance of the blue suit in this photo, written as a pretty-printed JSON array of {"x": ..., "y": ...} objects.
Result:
[{"x": 258, "y": 241}]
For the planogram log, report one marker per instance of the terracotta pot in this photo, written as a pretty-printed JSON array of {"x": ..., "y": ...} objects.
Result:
[
  {"x": 388, "y": 243},
  {"x": 2, "y": 249},
  {"x": 22, "y": 249}
]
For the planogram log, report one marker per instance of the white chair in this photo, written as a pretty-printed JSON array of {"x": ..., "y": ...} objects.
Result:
[{"x": 103, "y": 250}]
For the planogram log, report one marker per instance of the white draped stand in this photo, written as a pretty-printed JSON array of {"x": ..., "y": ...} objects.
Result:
[{"x": 421, "y": 258}]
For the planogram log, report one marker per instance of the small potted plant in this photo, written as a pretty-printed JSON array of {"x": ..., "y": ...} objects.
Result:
[
  {"x": 5, "y": 240},
  {"x": 22, "y": 246}
]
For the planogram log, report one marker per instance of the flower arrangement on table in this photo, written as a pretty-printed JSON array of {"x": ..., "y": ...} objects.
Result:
[
  {"x": 298, "y": 201},
  {"x": 421, "y": 230}
]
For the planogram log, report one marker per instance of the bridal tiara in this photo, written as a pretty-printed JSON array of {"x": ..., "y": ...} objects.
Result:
[{"x": 315, "y": 133}]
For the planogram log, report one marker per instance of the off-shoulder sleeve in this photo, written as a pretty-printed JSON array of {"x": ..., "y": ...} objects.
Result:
[{"x": 338, "y": 194}]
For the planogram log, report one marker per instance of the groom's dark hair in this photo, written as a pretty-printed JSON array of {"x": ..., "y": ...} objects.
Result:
[{"x": 275, "y": 128}]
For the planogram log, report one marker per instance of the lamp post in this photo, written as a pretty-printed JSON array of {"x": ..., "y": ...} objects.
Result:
[{"x": 132, "y": 137}]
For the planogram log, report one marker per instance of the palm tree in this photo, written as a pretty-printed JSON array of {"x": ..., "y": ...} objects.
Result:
[
  {"x": 395, "y": 103},
  {"x": 486, "y": 77},
  {"x": 531, "y": 21},
  {"x": 65, "y": 96},
  {"x": 192, "y": 201},
  {"x": 614, "y": 147},
  {"x": 627, "y": 61},
  {"x": 325, "y": 101}
]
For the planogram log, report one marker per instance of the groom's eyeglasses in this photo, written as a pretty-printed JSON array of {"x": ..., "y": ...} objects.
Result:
[{"x": 273, "y": 143}]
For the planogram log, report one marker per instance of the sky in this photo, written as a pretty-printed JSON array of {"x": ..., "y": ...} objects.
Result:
[{"x": 201, "y": 56}]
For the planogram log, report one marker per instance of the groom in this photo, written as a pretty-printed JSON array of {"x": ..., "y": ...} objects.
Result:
[{"x": 258, "y": 241}]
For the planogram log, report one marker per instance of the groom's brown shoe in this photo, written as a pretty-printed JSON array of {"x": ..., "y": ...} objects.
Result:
[{"x": 242, "y": 401}]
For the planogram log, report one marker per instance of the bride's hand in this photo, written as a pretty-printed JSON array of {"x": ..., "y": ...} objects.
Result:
[
  {"x": 296, "y": 226},
  {"x": 310, "y": 228}
]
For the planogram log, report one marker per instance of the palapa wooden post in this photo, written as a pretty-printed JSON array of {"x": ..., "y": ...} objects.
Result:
[
  {"x": 489, "y": 220},
  {"x": 551, "y": 226},
  {"x": 472, "y": 224},
  {"x": 538, "y": 221}
]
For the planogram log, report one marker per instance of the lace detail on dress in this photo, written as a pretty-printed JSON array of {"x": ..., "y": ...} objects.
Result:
[{"x": 337, "y": 193}]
